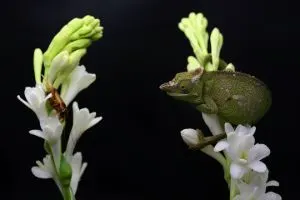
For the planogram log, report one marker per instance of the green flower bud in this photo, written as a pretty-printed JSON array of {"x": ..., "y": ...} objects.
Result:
[
  {"x": 73, "y": 61},
  {"x": 65, "y": 172},
  {"x": 216, "y": 41},
  {"x": 61, "y": 39},
  {"x": 77, "y": 34},
  {"x": 77, "y": 44},
  {"x": 37, "y": 64},
  {"x": 192, "y": 63}
]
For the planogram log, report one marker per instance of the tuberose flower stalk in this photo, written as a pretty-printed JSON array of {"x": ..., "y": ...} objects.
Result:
[
  {"x": 59, "y": 79},
  {"x": 233, "y": 147}
]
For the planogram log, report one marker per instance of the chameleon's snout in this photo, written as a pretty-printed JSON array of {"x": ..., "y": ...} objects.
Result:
[{"x": 167, "y": 87}]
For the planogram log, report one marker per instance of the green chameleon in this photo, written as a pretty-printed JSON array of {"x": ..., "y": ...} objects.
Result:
[{"x": 236, "y": 97}]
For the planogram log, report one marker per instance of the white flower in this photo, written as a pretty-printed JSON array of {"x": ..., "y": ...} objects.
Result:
[
  {"x": 190, "y": 136},
  {"x": 77, "y": 170},
  {"x": 45, "y": 170},
  {"x": 78, "y": 80},
  {"x": 240, "y": 147},
  {"x": 51, "y": 129},
  {"x": 36, "y": 100},
  {"x": 255, "y": 188},
  {"x": 82, "y": 120},
  {"x": 51, "y": 132}
]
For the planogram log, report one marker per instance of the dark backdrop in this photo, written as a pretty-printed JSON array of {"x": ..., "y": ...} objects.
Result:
[{"x": 136, "y": 152}]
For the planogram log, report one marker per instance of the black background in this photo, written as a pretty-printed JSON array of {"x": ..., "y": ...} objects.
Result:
[{"x": 136, "y": 152}]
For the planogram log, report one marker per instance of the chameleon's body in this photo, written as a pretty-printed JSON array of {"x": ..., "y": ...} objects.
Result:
[{"x": 235, "y": 97}]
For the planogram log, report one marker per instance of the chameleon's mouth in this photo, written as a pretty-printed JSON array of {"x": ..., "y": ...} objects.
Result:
[{"x": 175, "y": 94}]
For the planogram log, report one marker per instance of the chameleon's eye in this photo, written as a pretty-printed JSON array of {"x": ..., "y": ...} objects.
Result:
[{"x": 184, "y": 86}]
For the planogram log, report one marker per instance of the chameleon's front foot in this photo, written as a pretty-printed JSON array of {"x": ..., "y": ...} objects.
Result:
[
  {"x": 209, "y": 106},
  {"x": 205, "y": 141}
]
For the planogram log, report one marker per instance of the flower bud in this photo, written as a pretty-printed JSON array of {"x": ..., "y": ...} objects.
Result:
[
  {"x": 190, "y": 137},
  {"x": 65, "y": 172}
]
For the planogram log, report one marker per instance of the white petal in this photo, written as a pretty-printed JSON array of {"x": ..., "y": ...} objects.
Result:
[
  {"x": 40, "y": 173},
  {"x": 84, "y": 166},
  {"x": 271, "y": 196},
  {"x": 228, "y": 128},
  {"x": 32, "y": 98},
  {"x": 258, "y": 152},
  {"x": 48, "y": 96},
  {"x": 245, "y": 143},
  {"x": 82, "y": 120},
  {"x": 239, "y": 144},
  {"x": 94, "y": 121},
  {"x": 237, "y": 171},
  {"x": 75, "y": 107},
  {"x": 258, "y": 166},
  {"x": 76, "y": 164},
  {"x": 93, "y": 115},
  {"x": 221, "y": 145},
  {"x": 213, "y": 123},
  {"x": 242, "y": 130},
  {"x": 77, "y": 160},
  {"x": 252, "y": 130},
  {"x": 272, "y": 183},
  {"x": 52, "y": 128},
  {"x": 24, "y": 102},
  {"x": 40, "y": 91},
  {"x": 38, "y": 133},
  {"x": 78, "y": 80}
]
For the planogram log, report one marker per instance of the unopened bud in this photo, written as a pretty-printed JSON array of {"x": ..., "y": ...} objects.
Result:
[{"x": 190, "y": 137}]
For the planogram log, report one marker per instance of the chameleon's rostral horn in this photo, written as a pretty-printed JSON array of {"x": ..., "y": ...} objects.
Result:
[{"x": 167, "y": 86}]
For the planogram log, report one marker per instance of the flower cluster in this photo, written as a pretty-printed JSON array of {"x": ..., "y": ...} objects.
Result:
[
  {"x": 62, "y": 79},
  {"x": 240, "y": 157},
  {"x": 194, "y": 27}
]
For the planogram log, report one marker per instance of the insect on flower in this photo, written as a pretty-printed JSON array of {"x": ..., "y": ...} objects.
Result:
[{"x": 56, "y": 101}]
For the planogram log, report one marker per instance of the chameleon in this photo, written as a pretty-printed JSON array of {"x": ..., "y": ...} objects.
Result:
[{"x": 236, "y": 97}]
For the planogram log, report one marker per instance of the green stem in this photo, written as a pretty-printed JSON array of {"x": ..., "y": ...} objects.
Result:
[
  {"x": 65, "y": 191},
  {"x": 232, "y": 189},
  {"x": 67, "y": 194},
  {"x": 227, "y": 176}
]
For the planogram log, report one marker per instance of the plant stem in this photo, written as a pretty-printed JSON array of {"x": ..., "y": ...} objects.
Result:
[
  {"x": 232, "y": 189},
  {"x": 67, "y": 194},
  {"x": 65, "y": 191}
]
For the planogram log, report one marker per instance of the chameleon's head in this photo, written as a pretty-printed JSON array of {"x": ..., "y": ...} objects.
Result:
[{"x": 182, "y": 84}]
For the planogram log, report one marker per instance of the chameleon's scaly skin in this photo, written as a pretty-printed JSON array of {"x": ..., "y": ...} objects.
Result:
[
  {"x": 239, "y": 97},
  {"x": 235, "y": 97}
]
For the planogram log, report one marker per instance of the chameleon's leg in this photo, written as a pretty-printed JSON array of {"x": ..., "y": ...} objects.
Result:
[
  {"x": 205, "y": 141},
  {"x": 209, "y": 106},
  {"x": 198, "y": 92}
]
